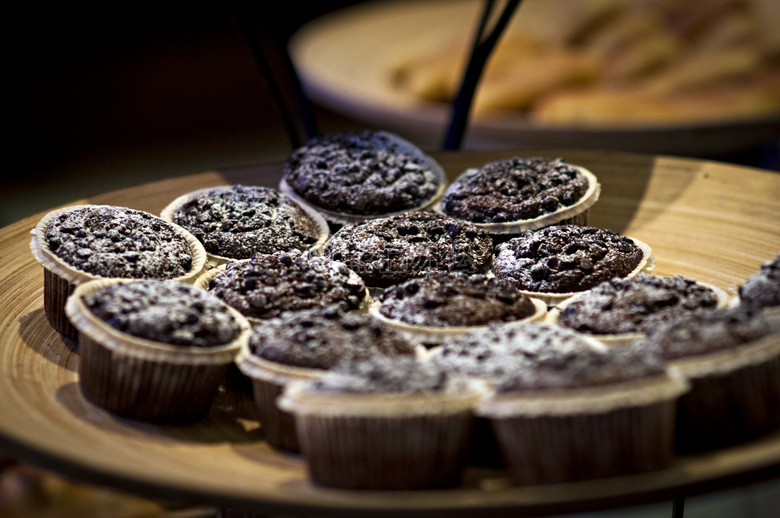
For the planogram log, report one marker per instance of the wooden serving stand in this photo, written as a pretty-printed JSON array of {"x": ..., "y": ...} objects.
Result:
[{"x": 710, "y": 221}]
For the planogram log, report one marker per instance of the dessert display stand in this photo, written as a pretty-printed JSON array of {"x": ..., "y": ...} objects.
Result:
[{"x": 710, "y": 221}]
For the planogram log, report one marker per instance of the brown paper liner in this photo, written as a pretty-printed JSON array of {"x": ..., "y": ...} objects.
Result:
[
  {"x": 734, "y": 396},
  {"x": 581, "y": 434},
  {"x": 143, "y": 379},
  {"x": 268, "y": 381},
  {"x": 617, "y": 340},
  {"x": 214, "y": 260},
  {"x": 383, "y": 441},
  {"x": 61, "y": 279}
]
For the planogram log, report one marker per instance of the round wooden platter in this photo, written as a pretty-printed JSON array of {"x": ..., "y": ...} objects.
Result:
[{"x": 714, "y": 222}]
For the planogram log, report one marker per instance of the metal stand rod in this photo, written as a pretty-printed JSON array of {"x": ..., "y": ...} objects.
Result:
[
  {"x": 678, "y": 507},
  {"x": 479, "y": 55}
]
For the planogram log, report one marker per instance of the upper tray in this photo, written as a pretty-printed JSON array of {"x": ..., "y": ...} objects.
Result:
[
  {"x": 709, "y": 221},
  {"x": 346, "y": 59}
]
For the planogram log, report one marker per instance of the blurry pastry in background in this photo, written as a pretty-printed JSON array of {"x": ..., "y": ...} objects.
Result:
[{"x": 617, "y": 62}]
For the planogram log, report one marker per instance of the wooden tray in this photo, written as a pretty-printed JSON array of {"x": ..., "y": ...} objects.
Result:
[
  {"x": 346, "y": 61},
  {"x": 710, "y": 221}
]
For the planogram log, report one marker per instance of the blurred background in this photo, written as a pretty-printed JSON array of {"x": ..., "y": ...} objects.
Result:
[{"x": 100, "y": 98}]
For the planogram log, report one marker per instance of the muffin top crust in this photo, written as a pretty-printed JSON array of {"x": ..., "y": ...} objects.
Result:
[
  {"x": 386, "y": 375},
  {"x": 239, "y": 220},
  {"x": 454, "y": 299},
  {"x": 496, "y": 350},
  {"x": 762, "y": 288},
  {"x": 635, "y": 305},
  {"x": 514, "y": 189},
  {"x": 565, "y": 258},
  {"x": 361, "y": 173},
  {"x": 165, "y": 311},
  {"x": 321, "y": 337},
  {"x": 587, "y": 368},
  {"x": 118, "y": 242},
  {"x": 709, "y": 332},
  {"x": 269, "y": 284},
  {"x": 390, "y": 250}
]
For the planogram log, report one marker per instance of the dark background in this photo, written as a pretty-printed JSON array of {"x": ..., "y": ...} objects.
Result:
[{"x": 115, "y": 95}]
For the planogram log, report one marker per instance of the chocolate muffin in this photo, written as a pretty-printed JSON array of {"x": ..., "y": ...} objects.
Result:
[
  {"x": 587, "y": 415},
  {"x": 390, "y": 250},
  {"x": 365, "y": 174},
  {"x": 384, "y": 424},
  {"x": 236, "y": 221},
  {"x": 154, "y": 350},
  {"x": 565, "y": 259},
  {"x": 117, "y": 242},
  {"x": 762, "y": 289},
  {"x": 165, "y": 311},
  {"x": 508, "y": 196},
  {"x": 494, "y": 352},
  {"x": 455, "y": 299},
  {"x": 623, "y": 306},
  {"x": 267, "y": 285},
  {"x": 731, "y": 358},
  {"x": 320, "y": 338},
  {"x": 514, "y": 189},
  {"x": 86, "y": 242},
  {"x": 302, "y": 345}
]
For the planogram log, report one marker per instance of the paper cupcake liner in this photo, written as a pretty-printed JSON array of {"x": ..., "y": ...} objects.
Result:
[
  {"x": 214, "y": 260},
  {"x": 432, "y": 336},
  {"x": 144, "y": 379},
  {"x": 577, "y": 214},
  {"x": 547, "y": 449},
  {"x": 646, "y": 265},
  {"x": 60, "y": 279},
  {"x": 268, "y": 381},
  {"x": 734, "y": 396},
  {"x": 381, "y": 453},
  {"x": 338, "y": 219},
  {"x": 735, "y": 302},
  {"x": 383, "y": 441},
  {"x": 587, "y": 433},
  {"x": 622, "y": 339}
]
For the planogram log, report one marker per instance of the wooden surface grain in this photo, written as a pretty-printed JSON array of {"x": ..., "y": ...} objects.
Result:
[{"x": 711, "y": 221}]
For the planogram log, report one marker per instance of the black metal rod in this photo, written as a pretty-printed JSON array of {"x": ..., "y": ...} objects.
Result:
[
  {"x": 287, "y": 113},
  {"x": 678, "y": 507},
  {"x": 461, "y": 106}
]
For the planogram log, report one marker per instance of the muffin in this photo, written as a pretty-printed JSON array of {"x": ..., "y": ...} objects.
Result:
[
  {"x": 391, "y": 250},
  {"x": 85, "y": 242},
  {"x": 584, "y": 415},
  {"x": 267, "y": 285},
  {"x": 508, "y": 196},
  {"x": 153, "y": 350},
  {"x": 430, "y": 308},
  {"x": 620, "y": 310},
  {"x": 353, "y": 176},
  {"x": 493, "y": 352},
  {"x": 384, "y": 424},
  {"x": 762, "y": 289},
  {"x": 559, "y": 261},
  {"x": 236, "y": 221},
  {"x": 303, "y": 345},
  {"x": 732, "y": 359}
]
